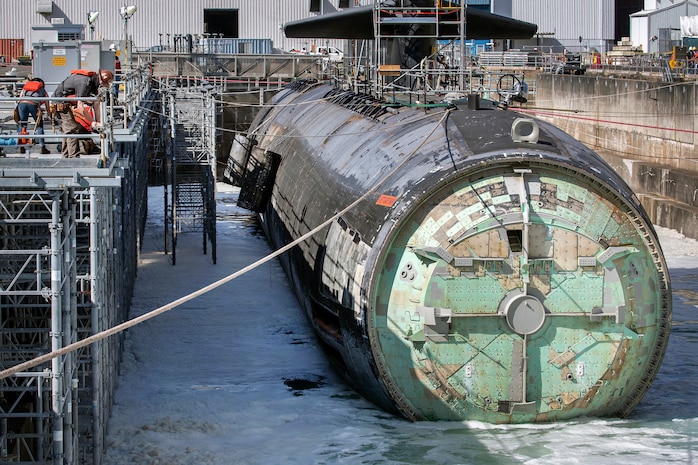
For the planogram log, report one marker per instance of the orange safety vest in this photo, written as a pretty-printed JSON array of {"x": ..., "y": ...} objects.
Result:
[
  {"x": 32, "y": 86},
  {"x": 84, "y": 118},
  {"x": 84, "y": 72}
]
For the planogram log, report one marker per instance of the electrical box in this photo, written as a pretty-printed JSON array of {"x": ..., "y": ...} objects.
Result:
[{"x": 53, "y": 62}]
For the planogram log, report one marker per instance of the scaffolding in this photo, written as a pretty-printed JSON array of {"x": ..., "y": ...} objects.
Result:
[
  {"x": 70, "y": 231},
  {"x": 402, "y": 21},
  {"x": 190, "y": 106}
]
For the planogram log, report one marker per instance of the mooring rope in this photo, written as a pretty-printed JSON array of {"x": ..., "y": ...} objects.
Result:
[{"x": 165, "y": 308}]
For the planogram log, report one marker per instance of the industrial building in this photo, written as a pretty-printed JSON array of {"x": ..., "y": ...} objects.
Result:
[
  {"x": 198, "y": 24},
  {"x": 584, "y": 26},
  {"x": 656, "y": 27}
]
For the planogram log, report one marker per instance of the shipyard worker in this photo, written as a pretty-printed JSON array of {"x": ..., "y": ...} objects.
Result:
[
  {"x": 117, "y": 77},
  {"x": 117, "y": 69},
  {"x": 33, "y": 88},
  {"x": 80, "y": 83}
]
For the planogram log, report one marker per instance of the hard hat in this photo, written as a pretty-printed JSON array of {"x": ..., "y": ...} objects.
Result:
[{"x": 106, "y": 76}]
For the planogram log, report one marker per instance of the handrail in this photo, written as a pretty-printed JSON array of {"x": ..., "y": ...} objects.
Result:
[{"x": 114, "y": 113}]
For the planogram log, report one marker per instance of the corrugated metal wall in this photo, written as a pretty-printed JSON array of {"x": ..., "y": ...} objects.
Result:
[
  {"x": 666, "y": 18},
  {"x": 153, "y": 20},
  {"x": 564, "y": 21}
]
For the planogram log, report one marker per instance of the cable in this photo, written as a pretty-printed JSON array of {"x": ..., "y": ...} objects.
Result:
[
  {"x": 165, "y": 308},
  {"x": 605, "y": 121}
]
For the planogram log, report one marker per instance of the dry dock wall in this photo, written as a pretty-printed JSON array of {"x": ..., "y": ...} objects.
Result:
[{"x": 645, "y": 129}]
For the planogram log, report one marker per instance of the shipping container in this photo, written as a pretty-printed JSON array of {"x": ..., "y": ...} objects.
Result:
[{"x": 10, "y": 49}]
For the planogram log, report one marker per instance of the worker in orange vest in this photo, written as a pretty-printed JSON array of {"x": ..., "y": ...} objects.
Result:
[
  {"x": 33, "y": 88},
  {"x": 80, "y": 83}
]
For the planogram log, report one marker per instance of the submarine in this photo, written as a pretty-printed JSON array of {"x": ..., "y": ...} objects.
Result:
[{"x": 475, "y": 263}]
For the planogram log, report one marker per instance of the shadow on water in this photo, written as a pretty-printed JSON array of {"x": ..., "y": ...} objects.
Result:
[{"x": 298, "y": 385}]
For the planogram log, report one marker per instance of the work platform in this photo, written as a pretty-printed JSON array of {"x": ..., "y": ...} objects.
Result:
[{"x": 71, "y": 230}]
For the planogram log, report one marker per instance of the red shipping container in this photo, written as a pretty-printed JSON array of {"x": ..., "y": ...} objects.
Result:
[{"x": 10, "y": 49}]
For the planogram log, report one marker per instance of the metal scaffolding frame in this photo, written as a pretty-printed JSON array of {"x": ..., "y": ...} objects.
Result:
[
  {"x": 398, "y": 21},
  {"x": 70, "y": 231},
  {"x": 191, "y": 109},
  {"x": 53, "y": 292}
]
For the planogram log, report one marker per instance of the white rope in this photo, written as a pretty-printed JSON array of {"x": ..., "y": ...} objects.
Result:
[{"x": 165, "y": 308}]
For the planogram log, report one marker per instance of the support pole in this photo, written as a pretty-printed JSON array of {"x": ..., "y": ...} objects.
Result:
[
  {"x": 70, "y": 323},
  {"x": 56, "y": 228},
  {"x": 98, "y": 423}
]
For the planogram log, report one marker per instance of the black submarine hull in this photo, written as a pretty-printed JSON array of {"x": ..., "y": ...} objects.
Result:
[{"x": 492, "y": 269}]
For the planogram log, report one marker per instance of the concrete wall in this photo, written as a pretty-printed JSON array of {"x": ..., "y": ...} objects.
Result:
[{"x": 645, "y": 129}]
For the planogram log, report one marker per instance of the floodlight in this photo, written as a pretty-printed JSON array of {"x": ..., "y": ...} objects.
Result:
[
  {"x": 127, "y": 11},
  {"x": 92, "y": 17}
]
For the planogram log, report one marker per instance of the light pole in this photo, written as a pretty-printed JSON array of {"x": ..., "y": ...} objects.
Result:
[{"x": 126, "y": 13}]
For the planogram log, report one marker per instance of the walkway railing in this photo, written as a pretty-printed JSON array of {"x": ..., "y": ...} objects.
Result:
[{"x": 117, "y": 107}]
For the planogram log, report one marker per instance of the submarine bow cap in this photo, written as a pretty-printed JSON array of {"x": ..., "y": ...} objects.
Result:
[{"x": 357, "y": 23}]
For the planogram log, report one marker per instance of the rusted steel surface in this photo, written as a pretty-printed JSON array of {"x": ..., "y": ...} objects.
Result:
[{"x": 489, "y": 273}]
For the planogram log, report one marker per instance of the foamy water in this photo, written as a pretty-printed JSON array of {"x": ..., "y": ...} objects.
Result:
[{"x": 236, "y": 377}]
